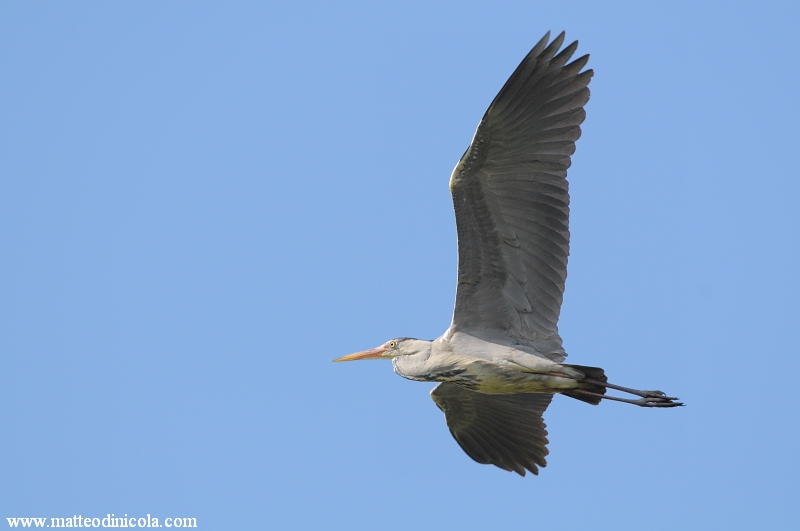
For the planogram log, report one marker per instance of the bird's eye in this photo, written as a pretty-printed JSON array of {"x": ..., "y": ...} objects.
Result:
[{"x": 392, "y": 344}]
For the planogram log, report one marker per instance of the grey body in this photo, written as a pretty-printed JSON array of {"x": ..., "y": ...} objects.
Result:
[
  {"x": 501, "y": 359},
  {"x": 482, "y": 366}
]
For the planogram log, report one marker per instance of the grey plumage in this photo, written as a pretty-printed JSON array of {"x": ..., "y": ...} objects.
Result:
[
  {"x": 512, "y": 202},
  {"x": 502, "y": 430}
]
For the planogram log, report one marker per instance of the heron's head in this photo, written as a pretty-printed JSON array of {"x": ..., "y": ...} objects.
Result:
[{"x": 401, "y": 346}]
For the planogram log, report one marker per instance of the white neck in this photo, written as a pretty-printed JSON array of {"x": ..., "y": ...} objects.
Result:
[{"x": 412, "y": 363}]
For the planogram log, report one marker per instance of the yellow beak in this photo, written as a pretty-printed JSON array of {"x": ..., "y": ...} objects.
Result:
[{"x": 372, "y": 354}]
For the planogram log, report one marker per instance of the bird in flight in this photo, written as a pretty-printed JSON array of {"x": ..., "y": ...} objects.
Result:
[{"x": 501, "y": 360}]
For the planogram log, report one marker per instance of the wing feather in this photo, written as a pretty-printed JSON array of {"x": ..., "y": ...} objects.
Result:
[
  {"x": 502, "y": 430},
  {"x": 511, "y": 200}
]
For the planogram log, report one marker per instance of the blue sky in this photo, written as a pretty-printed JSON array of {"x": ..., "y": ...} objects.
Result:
[{"x": 202, "y": 204}]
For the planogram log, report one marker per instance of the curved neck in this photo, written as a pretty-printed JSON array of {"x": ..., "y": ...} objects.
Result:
[{"x": 413, "y": 364}]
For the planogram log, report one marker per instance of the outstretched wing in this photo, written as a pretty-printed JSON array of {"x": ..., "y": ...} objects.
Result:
[
  {"x": 502, "y": 430},
  {"x": 512, "y": 203}
]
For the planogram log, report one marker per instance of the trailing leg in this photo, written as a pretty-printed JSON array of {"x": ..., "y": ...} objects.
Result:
[
  {"x": 648, "y": 401},
  {"x": 649, "y": 398}
]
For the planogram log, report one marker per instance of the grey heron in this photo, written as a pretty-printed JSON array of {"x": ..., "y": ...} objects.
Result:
[{"x": 501, "y": 360}]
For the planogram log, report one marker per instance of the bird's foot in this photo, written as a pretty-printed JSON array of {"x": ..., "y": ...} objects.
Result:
[
  {"x": 652, "y": 394},
  {"x": 659, "y": 401}
]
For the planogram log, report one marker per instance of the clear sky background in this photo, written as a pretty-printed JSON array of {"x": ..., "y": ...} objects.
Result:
[{"x": 202, "y": 204}]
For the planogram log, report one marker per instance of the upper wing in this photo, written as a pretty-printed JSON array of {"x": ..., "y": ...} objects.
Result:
[
  {"x": 502, "y": 430},
  {"x": 512, "y": 202}
]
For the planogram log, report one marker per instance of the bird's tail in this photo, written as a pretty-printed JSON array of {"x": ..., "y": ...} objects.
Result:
[{"x": 595, "y": 373}]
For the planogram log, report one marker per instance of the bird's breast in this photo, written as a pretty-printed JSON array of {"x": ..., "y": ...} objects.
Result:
[{"x": 492, "y": 378}]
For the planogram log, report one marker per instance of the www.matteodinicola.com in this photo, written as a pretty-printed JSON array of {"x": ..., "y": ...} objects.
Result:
[{"x": 110, "y": 520}]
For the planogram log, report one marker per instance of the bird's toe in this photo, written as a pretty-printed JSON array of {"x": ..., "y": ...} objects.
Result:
[{"x": 658, "y": 401}]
